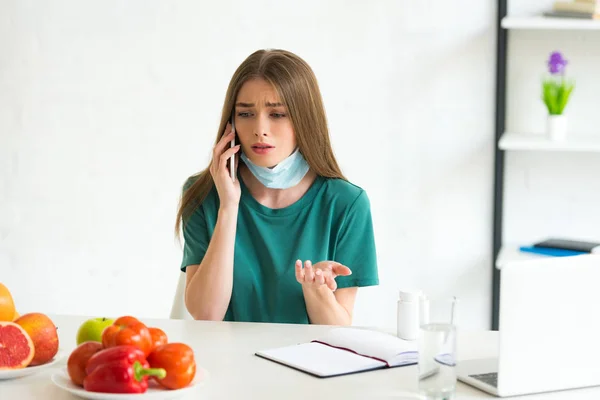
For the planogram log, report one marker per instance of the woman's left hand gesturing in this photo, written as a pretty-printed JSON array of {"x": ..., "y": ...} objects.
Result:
[{"x": 322, "y": 273}]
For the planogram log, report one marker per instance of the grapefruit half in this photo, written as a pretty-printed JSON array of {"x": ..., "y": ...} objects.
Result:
[{"x": 16, "y": 347}]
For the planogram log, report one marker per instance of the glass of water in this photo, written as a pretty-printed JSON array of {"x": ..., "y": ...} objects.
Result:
[{"x": 437, "y": 349}]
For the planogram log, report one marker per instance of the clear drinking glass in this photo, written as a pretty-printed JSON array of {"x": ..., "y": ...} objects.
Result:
[{"x": 437, "y": 349}]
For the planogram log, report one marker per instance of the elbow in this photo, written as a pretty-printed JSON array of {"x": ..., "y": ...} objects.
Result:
[
  {"x": 207, "y": 315},
  {"x": 202, "y": 313},
  {"x": 347, "y": 320},
  {"x": 339, "y": 321}
]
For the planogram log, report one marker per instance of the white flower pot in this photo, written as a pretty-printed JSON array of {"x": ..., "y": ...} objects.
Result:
[{"x": 556, "y": 127}]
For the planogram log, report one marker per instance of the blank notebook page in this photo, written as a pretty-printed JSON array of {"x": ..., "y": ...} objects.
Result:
[{"x": 320, "y": 359}]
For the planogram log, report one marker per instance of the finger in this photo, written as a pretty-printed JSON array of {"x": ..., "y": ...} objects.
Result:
[
  {"x": 225, "y": 156},
  {"x": 319, "y": 278},
  {"x": 331, "y": 283},
  {"x": 326, "y": 265},
  {"x": 340, "y": 270},
  {"x": 224, "y": 142},
  {"x": 299, "y": 272},
  {"x": 309, "y": 274},
  {"x": 227, "y": 137}
]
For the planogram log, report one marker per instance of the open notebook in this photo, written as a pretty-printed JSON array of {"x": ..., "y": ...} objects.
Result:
[{"x": 345, "y": 351}]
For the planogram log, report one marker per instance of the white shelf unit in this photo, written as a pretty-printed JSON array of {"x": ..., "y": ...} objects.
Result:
[
  {"x": 553, "y": 23},
  {"x": 540, "y": 142},
  {"x": 510, "y": 253},
  {"x": 522, "y": 141}
]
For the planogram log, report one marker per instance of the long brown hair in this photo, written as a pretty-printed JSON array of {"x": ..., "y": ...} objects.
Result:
[{"x": 297, "y": 87}]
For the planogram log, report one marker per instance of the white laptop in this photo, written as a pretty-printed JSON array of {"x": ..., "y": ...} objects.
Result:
[{"x": 549, "y": 329}]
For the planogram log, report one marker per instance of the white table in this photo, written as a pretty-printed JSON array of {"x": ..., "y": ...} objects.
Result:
[{"x": 226, "y": 351}]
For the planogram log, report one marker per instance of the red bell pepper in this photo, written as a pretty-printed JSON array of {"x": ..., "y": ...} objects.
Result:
[
  {"x": 128, "y": 331},
  {"x": 119, "y": 369}
]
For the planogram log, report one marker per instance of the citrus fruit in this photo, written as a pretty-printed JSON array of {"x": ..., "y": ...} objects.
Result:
[
  {"x": 7, "y": 305},
  {"x": 16, "y": 347}
]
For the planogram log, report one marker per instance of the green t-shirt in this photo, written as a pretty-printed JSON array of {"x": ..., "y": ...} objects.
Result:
[{"x": 332, "y": 221}]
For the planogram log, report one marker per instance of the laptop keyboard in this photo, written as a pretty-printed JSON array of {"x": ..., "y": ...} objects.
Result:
[{"x": 489, "y": 378}]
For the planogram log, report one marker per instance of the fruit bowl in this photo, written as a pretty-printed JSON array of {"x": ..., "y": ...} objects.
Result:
[
  {"x": 19, "y": 373},
  {"x": 61, "y": 379}
]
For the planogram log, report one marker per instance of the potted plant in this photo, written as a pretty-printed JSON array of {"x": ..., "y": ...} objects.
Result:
[{"x": 556, "y": 90}]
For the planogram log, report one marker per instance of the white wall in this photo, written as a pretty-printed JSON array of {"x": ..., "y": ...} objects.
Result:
[
  {"x": 107, "y": 106},
  {"x": 551, "y": 193}
]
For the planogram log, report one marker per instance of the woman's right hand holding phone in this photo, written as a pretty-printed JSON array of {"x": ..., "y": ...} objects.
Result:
[{"x": 229, "y": 190}]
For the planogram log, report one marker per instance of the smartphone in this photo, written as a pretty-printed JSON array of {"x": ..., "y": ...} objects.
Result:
[{"x": 232, "y": 158}]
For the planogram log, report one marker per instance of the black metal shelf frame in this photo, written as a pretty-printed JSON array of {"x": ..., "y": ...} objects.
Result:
[{"x": 501, "y": 47}]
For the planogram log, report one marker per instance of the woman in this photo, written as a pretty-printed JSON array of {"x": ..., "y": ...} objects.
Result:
[{"x": 251, "y": 237}]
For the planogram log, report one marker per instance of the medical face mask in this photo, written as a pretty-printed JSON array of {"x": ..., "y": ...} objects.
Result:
[{"x": 284, "y": 175}]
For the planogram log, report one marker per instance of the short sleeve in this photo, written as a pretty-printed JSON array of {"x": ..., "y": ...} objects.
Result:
[
  {"x": 355, "y": 247},
  {"x": 196, "y": 237}
]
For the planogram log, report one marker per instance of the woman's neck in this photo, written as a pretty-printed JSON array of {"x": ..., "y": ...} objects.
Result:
[{"x": 275, "y": 198}]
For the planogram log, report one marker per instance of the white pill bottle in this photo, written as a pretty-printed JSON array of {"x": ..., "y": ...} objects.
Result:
[{"x": 410, "y": 314}]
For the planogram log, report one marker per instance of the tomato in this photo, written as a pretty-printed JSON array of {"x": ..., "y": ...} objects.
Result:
[
  {"x": 179, "y": 362},
  {"x": 159, "y": 337}
]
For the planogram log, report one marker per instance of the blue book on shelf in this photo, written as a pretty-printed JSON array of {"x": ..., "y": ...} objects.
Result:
[{"x": 547, "y": 251}]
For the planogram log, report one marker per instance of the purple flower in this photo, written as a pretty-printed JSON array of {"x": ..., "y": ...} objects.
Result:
[{"x": 556, "y": 63}]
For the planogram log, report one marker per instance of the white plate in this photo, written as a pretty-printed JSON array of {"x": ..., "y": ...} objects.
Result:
[
  {"x": 19, "y": 373},
  {"x": 63, "y": 381}
]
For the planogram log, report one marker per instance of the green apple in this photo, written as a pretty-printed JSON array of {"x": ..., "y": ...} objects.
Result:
[{"x": 91, "y": 330}]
